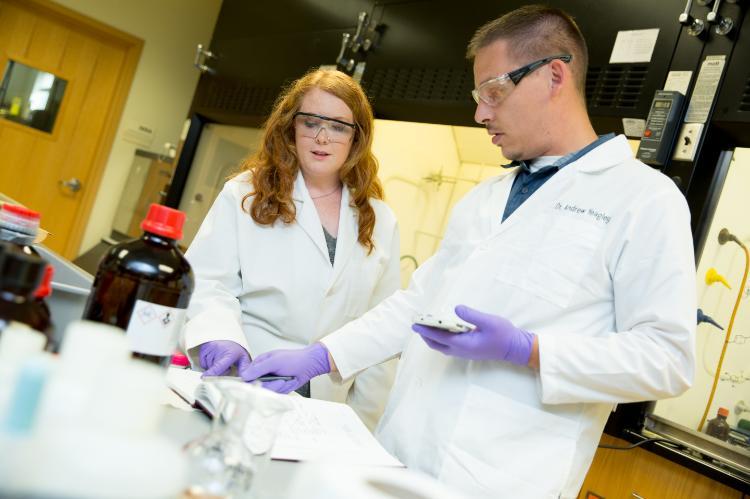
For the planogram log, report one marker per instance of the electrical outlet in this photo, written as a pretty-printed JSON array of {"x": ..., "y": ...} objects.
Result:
[{"x": 687, "y": 142}]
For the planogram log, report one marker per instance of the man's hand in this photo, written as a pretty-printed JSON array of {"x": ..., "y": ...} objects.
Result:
[
  {"x": 303, "y": 364},
  {"x": 494, "y": 338},
  {"x": 217, "y": 357}
]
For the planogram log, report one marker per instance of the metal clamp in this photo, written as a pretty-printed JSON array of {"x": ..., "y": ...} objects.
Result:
[
  {"x": 201, "y": 56},
  {"x": 348, "y": 64}
]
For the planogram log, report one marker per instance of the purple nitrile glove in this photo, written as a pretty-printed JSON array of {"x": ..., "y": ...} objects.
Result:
[
  {"x": 218, "y": 356},
  {"x": 303, "y": 364},
  {"x": 494, "y": 338}
]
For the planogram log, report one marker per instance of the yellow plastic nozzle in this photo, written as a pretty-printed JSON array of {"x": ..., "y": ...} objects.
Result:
[{"x": 713, "y": 277}]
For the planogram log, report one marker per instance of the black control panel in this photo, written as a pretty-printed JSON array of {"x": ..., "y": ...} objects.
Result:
[{"x": 662, "y": 124}]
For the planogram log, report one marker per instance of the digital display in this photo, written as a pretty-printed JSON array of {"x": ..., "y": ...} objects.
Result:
[{"x": 662, "y": 104}]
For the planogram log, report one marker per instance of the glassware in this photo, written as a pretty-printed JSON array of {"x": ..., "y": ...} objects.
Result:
[
  {"x": 718, "y": 427},
  {"x": 20, "y": 276},
  {"x": 225, "y": 462},
  {"x": 143, "y": 286}
]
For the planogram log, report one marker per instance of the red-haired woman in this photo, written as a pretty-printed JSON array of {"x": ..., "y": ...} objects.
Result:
[{"x": 299, "y": 243}]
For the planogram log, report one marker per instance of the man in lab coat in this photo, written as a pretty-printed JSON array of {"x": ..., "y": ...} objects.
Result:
[{"x": 575, "y": 269}]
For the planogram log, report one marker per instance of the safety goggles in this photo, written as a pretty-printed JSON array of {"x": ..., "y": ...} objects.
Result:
[
  {"x": 493, "y": 91},
  {"x": 309, "y": 125}
]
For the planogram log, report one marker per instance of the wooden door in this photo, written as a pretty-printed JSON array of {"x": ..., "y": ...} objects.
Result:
[{"x": 97, "y": 62}]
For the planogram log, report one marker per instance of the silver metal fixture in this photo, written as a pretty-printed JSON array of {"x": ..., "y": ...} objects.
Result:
[
  {"x": 723, "y": 24},
  {"x": 348, "y": 64},
  {"x": 697, "y": 27},
  {"x": 202, "y": 56},
  {"x": 685, "y": 18},
  {"x": 713, "y": 16},
  {"x": 357, "y": 41},
  {"x": 73, "y": 185}
]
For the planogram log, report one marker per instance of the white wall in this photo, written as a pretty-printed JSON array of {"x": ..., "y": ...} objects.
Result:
[
  {"x": 219, "y": 155},
  {"x": 425, "y": 169},
  {"x": 162, "y": 89}
]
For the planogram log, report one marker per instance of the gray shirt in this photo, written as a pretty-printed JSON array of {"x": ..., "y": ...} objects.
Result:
[{"x": 331, "y": 243}]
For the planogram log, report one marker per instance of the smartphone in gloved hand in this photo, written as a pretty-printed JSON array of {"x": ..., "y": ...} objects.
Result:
[{"x": 449, "y": 325}]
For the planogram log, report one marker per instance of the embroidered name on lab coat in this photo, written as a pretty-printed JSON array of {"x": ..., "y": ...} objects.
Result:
[{"x": 587, "y": 212}]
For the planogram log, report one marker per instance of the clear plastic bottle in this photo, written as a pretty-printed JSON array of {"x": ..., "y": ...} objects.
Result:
[
  {"x": 19, "y": 226},
  {"x": 18, "y": 343},
  {"x": 20, "y": 276},
  {"x": 99, "y": 414},
  {"x": 143, "y": 286},
  {"x": 718, "y": 426}
]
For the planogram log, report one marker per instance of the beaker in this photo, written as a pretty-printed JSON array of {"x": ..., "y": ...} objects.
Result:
[{"x": 225, "y": 462}]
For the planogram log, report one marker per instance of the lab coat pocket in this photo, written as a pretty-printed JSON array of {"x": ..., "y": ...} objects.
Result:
[
  {"x": 504, "y": 448},
  {"x": 560, "y": 260}
]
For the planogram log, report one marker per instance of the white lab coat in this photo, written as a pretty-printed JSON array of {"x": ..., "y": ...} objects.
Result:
[
  {"x": 599, "y": 264},
  {"x": 274, "y": 287}
]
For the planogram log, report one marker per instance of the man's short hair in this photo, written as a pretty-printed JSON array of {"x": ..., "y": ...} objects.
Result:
[{"x": 535, "y": 32}]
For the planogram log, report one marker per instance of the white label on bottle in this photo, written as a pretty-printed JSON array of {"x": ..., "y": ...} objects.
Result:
[{"x": 153, "y": 329}]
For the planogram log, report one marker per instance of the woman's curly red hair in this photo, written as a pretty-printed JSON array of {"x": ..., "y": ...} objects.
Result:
[{"x": 275, "y": 165}]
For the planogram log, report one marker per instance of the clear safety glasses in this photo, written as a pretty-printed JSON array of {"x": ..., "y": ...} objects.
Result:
[
  {"x": 493, "y": 91},
  {"x": 309, "y": 125}
]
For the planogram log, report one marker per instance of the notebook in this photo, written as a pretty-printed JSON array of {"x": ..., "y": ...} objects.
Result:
[
  {"x": 313, "y": 430},
  {"x": 189, "y": 386}
]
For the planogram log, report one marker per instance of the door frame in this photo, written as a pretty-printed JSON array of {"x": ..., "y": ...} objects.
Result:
[{"x": 133, "y": 46}]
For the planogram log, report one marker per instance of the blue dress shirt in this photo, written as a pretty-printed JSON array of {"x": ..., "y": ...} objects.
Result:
[{"x": 527, "y": 181}]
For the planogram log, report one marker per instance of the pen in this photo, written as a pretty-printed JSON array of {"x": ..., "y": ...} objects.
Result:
[{"x": 268, "y": 377}]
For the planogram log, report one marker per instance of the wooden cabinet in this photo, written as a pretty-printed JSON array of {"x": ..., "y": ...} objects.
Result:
[{"x": 621, "y": 474}]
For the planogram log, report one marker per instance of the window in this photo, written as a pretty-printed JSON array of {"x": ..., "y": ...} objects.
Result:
[{"x": 30, "y": 96}]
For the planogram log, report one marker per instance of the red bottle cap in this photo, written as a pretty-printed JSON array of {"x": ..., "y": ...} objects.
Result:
[
  {"x": 45, "y": 288},
  {"x": 723, "y": 411},
  {"x": 179, "y": 359},
  {"x": 164, "y": 221},
  {"x": 22, "y": 212}
]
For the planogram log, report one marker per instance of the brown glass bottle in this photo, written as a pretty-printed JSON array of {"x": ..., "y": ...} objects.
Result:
[
  {"x": 143, "y": 286},
  {"x": 718, "y": 426},
  {"x": 20, "y": 276}
]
